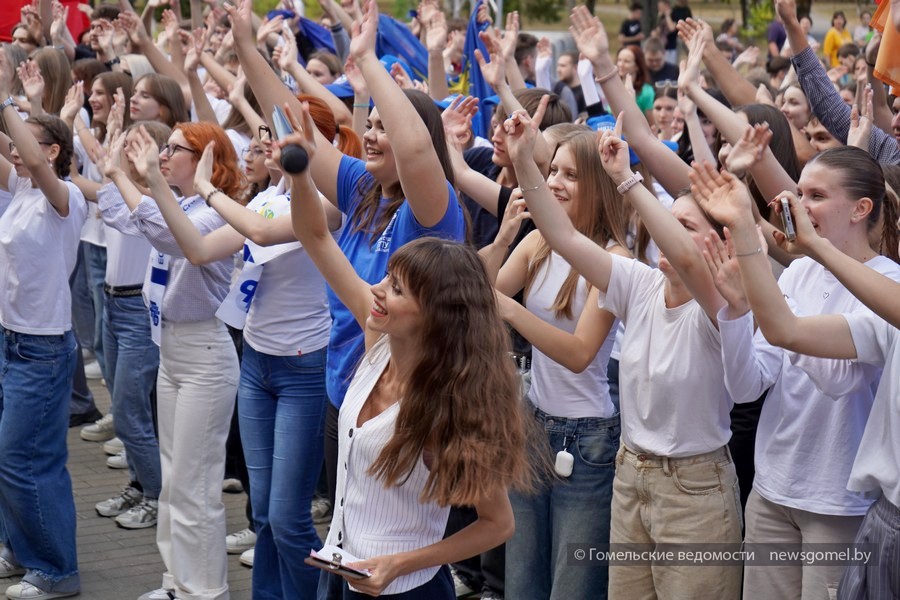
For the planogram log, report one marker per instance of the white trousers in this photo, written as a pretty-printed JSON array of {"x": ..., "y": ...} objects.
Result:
[{"x": 195, "y": 388}]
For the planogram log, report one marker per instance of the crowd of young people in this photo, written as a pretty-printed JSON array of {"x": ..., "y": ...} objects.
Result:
[{"x": 465, "y": 323}]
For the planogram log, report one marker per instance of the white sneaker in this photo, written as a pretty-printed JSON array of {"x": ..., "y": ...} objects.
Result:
[
  {"x": 240, "y": 542},
  {"x": 99, "y": 431},
  {"x": 160, "y": 594},
  {"x": 321, "y": 510},
  {"x": 28, "y": 591},
  {"x": 142, "y": 516},
  {"x": 232, "y": 486},
  {"x": 113, "y": 446},
  {"x": 247, "y": 558},
  {"x": 125, "y": 501},
  {"x": 92, "y": 370},
  {"x": 119, "y": 461}
]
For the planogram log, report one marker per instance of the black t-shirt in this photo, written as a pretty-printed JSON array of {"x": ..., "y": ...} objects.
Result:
[
  {"x": 630, "y": 28},
  {"x": 668, "y": 71}
]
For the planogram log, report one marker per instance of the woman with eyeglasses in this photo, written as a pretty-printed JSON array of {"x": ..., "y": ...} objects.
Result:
[
  {"x": 281, "y": 395},
  {"x": 39, "y": 234},
  {"x": 198, "y": 367}
]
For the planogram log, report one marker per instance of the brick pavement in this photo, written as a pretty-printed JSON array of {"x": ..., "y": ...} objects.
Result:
[{"x": 116, "y": 563}]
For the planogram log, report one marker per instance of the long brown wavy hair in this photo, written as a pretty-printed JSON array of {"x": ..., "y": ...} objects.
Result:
[
  {"x": 599, "y": 214},
  {"x": 462, "y": 402}
]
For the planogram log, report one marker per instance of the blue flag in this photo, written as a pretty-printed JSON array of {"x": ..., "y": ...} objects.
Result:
[
  {"x": 318, "y": 35},
  {"x": 472, "y": 81},
  {"x": 396, "y": 39}
]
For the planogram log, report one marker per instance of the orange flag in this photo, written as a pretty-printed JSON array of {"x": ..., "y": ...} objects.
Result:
[{"x": 887, "y": 65}]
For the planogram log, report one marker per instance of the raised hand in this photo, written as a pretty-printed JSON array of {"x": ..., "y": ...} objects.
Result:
[
  {"x": 806, "y": 233},
  {"x": 203, "y": 174},
  {"x": 763, "y": 96},
  {"x": 289, "y": 54},
  {"x": 58, "y": 28},
  {"x": 170, "y": 24},
  {"x": 614, "y": 153},
  {"x": 494, "y": 72},
  {"x": 512, "y": 218},
  {"x": 143, "y": 153},
  {"x": 510, "y": 36},
  {"x": 365, "y": 33},
  {"x": 787, "y": 10},
  {"x": 726, "y": 274},
  {"x": 115, "y": 122},
  {"x": 304, "y": 129},
  {"x": 195, "y": 50},
  {"x": 750, "y": 57},
  {"x": 590, "y": 36},
  {"x": 690, "y": 75},
  {"x": 544, "y": 49},
  {"x": 271, "y": 27},
  {"x": 135, "y": 28},
  {"x": 835, "y": 73},
  {"x": 749, "y": 150},
  {"x": 236, "y": 90},
  {"x": 721, "y": 194},
  {"x": 110, "y": 161},
  {"x": 74, "y": 102},
  {"x": 436, "y": 33},
  {"x": 521, "y": 131},
  {"x": 457, "y": 118},
  {"x": 355, "y": 78},
  {"x": 861, "y": 121},
  {"x": 401, "y": 77},
  {"x": 32, "y": 80},
  {"x": 685, "y": 104},
  {"x": 240, "y": 15}
]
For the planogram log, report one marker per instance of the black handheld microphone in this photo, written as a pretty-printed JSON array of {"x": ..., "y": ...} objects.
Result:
[{"x": 294, "y": 159}]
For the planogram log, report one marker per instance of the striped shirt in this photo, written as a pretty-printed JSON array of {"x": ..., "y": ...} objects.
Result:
[
  {"x": 831, "y": 110},
  {"x": 370, "y": 519},
  {"x": 193, "y": 293}
]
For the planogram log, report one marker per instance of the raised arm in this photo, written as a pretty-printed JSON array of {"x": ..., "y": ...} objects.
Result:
[
  {"x": 144, "y": 45},
  {"x": 593, "y": 262},
  {"x": 590, "y": 37},
  {"x": 728, "y": 201},
  {"x": 672, "y": 238},
  {"x": 311, "y": 229},
  {"x": 32, "y": 155},
  {"x": 418, "y": 166},
  {"x": 735, "y": 87},
  {"x": 768, "y": 173},
  {"x": 435, "y": 43},
  {"x": 271, "y": 92}
]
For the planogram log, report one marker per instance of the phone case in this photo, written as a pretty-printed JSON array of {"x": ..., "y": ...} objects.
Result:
[{"x": 335, "y": 566}]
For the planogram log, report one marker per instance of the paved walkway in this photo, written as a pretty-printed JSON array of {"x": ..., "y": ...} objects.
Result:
[{"x": 116, "y": 563}]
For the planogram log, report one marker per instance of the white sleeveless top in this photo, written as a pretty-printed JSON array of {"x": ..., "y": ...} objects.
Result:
[
  {"x": 555, "y": 389},
  {"x": 370, "y": 519}
]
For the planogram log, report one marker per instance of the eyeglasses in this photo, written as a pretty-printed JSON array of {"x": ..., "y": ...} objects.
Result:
[
  {"x": 169, "y": 149},
  {"x": 666, "y": 83},
  {"x": 12, "y": 146},
  {"x": 251, "y": 153},
  {"x": 264, "y": 133}
]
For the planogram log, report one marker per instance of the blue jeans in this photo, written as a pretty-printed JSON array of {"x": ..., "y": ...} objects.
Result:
[
  {"x": 86, "y": 283},
  {"x": 281, "y": 406},
  {"x": 334, "y": 587},
  {"x": 36, "y": 503},
  {"x": 132, "y": 360},
  {"x": 574, "y": 510}
]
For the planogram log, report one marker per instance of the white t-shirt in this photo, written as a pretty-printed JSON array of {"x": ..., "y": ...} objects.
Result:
[
  {"x": 289, "y": 313},
  {"x": 877, "y": 464},
  {"x": 371, "y": 519},
  {"x": 93, "y": 230},
  {"x": 126, "y": 255},
  {"x": 814, "y": 415},
  {"x": 555, "y": 389},
  {"x": 672, "y": 395},
  {"x": 38, "y": 250}
]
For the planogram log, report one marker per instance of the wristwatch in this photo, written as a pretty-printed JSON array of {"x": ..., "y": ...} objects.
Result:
[
  {"x": 8, "y": 102},
  {"x": 629, "y": 183}
]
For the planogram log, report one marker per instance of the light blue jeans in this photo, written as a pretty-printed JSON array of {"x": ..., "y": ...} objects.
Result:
[
  {"x": 36, "y": 503},
  {"x": 281, "y": 406},
  {"x": 573, "y": 510},
  {"x": 132, "y": 360}
]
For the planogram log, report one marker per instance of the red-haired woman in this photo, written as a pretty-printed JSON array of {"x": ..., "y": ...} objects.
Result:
[{"x": 198, "y": 368}]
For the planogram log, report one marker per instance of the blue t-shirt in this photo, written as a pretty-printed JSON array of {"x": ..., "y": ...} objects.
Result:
[{"x": 346, "y": 345}]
